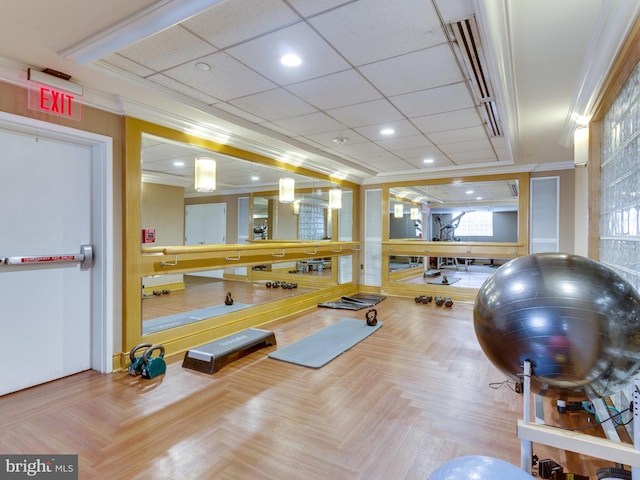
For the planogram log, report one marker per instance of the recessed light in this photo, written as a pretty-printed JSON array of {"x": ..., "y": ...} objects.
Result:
[
  {"x": 205, "y": 67},
  {"x": 427, "y": 160},
  {"x": 178, "y": 163},
  {"x": 478, "y": 198},
  {"x": 469, "y": 192},
  {"x": 255, "y": 178},
  {"x": 290, "y": 60},
  {"x": 387, "y": 131},
  {"x": 340, "y": 140}
]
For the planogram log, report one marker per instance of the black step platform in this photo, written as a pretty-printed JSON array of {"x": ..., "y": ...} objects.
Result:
[{"x": 210, "y": 357}]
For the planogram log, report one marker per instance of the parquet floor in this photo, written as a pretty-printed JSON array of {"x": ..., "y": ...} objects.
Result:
[{"x": 408, "y": 398}]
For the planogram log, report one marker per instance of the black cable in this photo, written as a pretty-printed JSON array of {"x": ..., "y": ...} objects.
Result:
[
  {"x": 498, "y": 385},
  {"x": 597, "y": 424}
]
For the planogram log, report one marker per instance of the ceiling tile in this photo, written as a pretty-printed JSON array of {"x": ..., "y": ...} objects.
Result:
[
  {"x": 439, "y": 122},
  {"x": 388, "y": 25},
  {"x": 454, "y": 10},
  {"x": 337, "y": 90},
  {"x": 226, "y": 80},
  {"x": 366, "y": 113},
  {"x": 387, "y": 162},
  {"x": 417, "y": 156},
  {"x": 434, "y": 100},
  {"x": 279, "y": 129},
  {"x": 357, "y": 150},
  {"x": 182, "y": 88},
  {"x": 238, "y": 112},
  {"x": 402, "y": 129},
  {"x": 167, "y": 49},
  {"x": 263, "y": 55},
  {"x": 401, "y": 143},
  {"x": 459, "y": 135},
  {"x": 128, "y": 65},
  {"x": 273, "y": 104},
  {"x": 463, "y": 147},
  {"x": 421, "y": 70},
  {"x": 479, "y": 156},
  {"x": 308, "y": 8},
  {"x": 308, "y": 124},
  {"x": 229, "y": 23},
  {"x": 326, "y": 138}
]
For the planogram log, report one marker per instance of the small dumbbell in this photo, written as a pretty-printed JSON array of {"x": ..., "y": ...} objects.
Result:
[
  {"x": 268, "y": 284},
  {"x": 439, "y": 300},
  {"x": 427, "y": 299},
  {"x": 448, "y": 302}
]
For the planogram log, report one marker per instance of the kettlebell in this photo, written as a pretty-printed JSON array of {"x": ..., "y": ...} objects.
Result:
[
  {"x": 372, "y": 317},
  {"x": 228, "y": 300},
  {"x": 135, "y": 366},
  {"x": 153, "y": 366}
]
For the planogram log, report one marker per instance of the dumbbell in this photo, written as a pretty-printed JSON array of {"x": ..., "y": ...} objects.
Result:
[
  {"x": 439, "y": 300},
  {"x": 448, "y": 302},
  {"x": 427, "y": 299},
  {"x": 268, "y": 284}
]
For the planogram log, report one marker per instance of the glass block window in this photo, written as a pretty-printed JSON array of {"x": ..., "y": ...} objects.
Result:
[
  {"x": 311, "y": 222},
  {"x": 620, "y": 183}
]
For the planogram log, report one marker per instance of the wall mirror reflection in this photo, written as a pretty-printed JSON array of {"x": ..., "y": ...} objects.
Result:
[
  {"x": 235, "y": 202},
  {"x": 226, "y": 291},
  {"x": 469, "y": 213}
]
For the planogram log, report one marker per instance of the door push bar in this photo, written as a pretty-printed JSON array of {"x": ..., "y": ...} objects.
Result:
[{"x": 84, "y": 258}]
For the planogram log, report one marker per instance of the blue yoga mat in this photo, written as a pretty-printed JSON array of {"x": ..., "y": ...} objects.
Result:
[
  {"x": 321, "y": 347},
  {"x": 172, "y": 321}
]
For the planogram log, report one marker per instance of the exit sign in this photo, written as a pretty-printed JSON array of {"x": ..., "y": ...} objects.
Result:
[{"x": 55, "y": 101}]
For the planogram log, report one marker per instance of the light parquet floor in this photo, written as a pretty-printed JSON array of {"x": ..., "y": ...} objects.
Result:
[{"x": 396, "y": 406}]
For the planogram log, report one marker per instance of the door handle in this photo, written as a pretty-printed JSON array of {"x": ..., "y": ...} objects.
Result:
[{"x": 84, "y": 258}]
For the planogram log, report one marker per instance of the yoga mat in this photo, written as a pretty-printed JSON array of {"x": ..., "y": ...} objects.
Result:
[
  {"x": 179, "y": 319},
  {"x": 321, "y": 347},
  {"x": 369, "y": 298},
  {"x": 354, "y": 302}
]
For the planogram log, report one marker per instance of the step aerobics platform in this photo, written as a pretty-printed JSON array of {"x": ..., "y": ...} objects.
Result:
[{"x": 210, "y": 357}]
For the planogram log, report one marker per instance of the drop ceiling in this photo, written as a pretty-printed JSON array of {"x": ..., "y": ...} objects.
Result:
[{"x": 367, "y": 65}]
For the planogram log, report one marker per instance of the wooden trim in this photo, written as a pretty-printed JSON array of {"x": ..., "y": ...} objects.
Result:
[
  {"x": 453, "y": 249},
  {"x": 183, "y": 259},
  {"x": 180, "y": 339},
  {"x": 625, "y": 62},
  {"x": 136, "y": 265}
]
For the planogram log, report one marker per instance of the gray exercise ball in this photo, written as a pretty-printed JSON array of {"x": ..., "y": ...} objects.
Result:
[
  {"x": 479, "y": 467},
  {"x": 576, "y": 320}
]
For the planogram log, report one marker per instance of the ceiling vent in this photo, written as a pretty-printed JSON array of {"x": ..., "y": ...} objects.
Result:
[{"x": 469, "y": 48}]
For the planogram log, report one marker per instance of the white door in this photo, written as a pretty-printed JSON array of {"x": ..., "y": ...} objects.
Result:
[
  {"x": 45, "y": 210},
  {"x": 206, "y": 224}
]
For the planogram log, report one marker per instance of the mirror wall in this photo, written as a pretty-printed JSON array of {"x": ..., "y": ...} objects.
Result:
[
  {"x": 455, "y": 233},
  {"x": 244, "y": 209}
]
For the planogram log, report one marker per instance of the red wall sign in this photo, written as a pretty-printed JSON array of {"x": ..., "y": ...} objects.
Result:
[{"x": 45, "y": 98}]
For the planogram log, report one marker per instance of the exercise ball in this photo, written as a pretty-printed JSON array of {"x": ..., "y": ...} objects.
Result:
[
  {"x": 576, "y": 320},
  {"x": 478, "y": 467}
]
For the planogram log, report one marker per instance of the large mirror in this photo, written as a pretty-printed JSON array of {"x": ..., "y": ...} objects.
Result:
[
  {"x": 245, "y": 206},
  {"x": 472, "y": 216}
]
